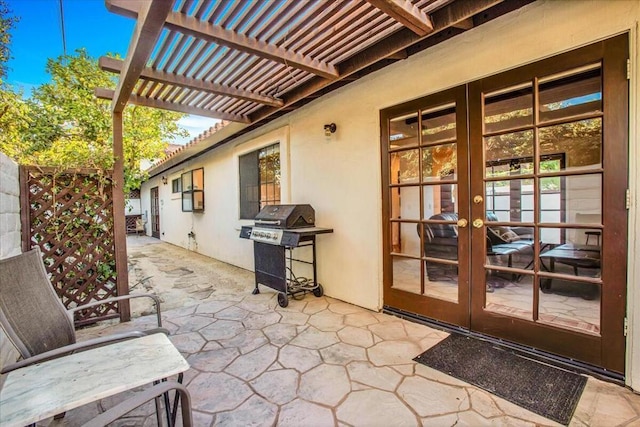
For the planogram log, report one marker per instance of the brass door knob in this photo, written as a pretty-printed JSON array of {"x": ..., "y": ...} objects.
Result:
[
  {"x": 477, "y": 199},
  {"x": 462, "y": 223},
  {"x": 478, "y": 223}
]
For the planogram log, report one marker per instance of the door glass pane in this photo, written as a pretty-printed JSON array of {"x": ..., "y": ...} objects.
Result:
[
  {"x": 403, "y": 131},
  {"x": 405, "y": 202},
  {"x": 570, "y": 304},
  {"x": 507, "y": 296},
  {"x": 563, "y": 198},
  {"x": 509, "y": 200},
  {"x": 439, "y": 124},
  {"x": 576, "y": 145},
  {"x": 571, "y": 93},
  {"x": 567, "y": 251},
  {"x": 406, "y": 274},
  {"x": 509, "y": 154},
  {"x": 405, "y": 238},
  {"x": 510, "y": 246},
  {"x": 439, "y": 199},
  {"x": 441, "y": 280},
  {"x": 439, "y": 163},
  {"x": 509, "y": 108},
  {"x": 404, "y": 166}
]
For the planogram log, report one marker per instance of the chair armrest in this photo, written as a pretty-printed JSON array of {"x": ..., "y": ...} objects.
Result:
[
  {"x": 120, "y": 298},
  {"x": 143, "y": 397},
  {"x": 489, "y": 246},
  {"x": 523, "y": 232},
  {"x": 79, "y": 346}
]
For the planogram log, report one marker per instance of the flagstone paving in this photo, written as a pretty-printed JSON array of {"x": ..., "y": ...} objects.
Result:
[{"x": 318, "y": 362}]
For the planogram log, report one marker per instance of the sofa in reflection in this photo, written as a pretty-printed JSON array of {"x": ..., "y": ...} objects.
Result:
[{"x": 507, "y": 246}]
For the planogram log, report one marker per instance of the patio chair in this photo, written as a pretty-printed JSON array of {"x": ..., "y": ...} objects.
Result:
[
  {"x": 141, "y": 398},
  {"x": 35, "y": 320}
]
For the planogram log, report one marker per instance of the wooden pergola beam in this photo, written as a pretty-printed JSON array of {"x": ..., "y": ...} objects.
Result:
[
  {"x": 103, "y": 93},
  {"x": 465, "y": 24},
  {"x": 115, "y": 66},
  {"x": 403, "y": 39},
  {"x": 407, "y": 14},
  {"x": 151, "y": 17},
  {"x": 214, "y": 34}
]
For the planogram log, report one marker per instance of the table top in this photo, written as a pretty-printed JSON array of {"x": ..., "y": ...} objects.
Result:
[
  {"x": 575, "y": 252},
  {"x": 45, "y": 389}
]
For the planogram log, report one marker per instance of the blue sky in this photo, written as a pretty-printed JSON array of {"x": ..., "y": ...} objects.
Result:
[{"x": 88, "y": 23}]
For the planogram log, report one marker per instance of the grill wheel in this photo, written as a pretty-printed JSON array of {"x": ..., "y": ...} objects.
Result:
[{"x": 283, "y": 299}]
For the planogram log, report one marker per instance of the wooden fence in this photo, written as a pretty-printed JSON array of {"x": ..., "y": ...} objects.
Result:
[{"x": 69, "y": 215}]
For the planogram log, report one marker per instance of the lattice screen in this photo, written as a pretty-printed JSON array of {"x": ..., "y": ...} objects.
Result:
[{"x": 69, "y": 215}]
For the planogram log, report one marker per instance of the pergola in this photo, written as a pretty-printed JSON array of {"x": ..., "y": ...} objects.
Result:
[{"x": 252, "y": 61}]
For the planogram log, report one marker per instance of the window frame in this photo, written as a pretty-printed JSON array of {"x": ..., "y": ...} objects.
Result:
[
  {"x": 176, "y": 185},
  {"x": 191, "y": 194},
  {"x": 251, "y": 182}
]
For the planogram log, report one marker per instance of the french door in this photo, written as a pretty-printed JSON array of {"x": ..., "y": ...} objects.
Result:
[
  {"x": 155, "y": 213},
  {"x": 504, "y": 205}
]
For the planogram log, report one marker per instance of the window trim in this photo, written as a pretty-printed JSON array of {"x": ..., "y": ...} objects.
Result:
[
  {"x": 190, "y": 193},
  {"x": 176, "y": 185},
  {"x": 261, "y": 201}
]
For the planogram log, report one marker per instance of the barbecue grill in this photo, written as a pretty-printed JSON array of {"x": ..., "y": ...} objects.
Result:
[{"x": 278, "y": 231}]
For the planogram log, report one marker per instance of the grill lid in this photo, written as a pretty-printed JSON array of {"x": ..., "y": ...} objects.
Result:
[{"x": 286, "y": 216}]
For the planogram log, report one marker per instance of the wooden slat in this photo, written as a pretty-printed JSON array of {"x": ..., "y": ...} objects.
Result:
[
  {"x": 151, "y": 17},
  {"x": 465, "y": 24},
  {"x": 115, "y": 65},
  {"x": 442, "y": 18},
  {"x": 211, "y": 33},
  {"x": 103, "y": 93},
  {"x": 407, "y": 14}
]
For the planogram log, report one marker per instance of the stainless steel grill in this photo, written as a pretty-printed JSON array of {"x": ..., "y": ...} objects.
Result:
[{"x": 278, "y": 231}]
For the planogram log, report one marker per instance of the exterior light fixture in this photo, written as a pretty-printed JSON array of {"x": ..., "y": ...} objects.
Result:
[
  {"x": 329, "y": 129},
  {"x": 164, "y": 180}
]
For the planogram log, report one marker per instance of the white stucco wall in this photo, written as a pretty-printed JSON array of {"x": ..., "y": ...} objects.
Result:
[
  {"x": 9, "y": 208},
  {"x": 9, "y": 234},
  {"x": 340, "y": 175}
]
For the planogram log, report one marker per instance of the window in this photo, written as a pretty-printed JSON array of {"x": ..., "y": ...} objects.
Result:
[
  {"x": 259, "y": 180},
  {"x": 176, "y": 185},
  {"x": 193, "y": 191}
]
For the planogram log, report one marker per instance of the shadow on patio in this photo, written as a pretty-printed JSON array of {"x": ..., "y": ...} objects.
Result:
[{"x": 318, "y": 362}]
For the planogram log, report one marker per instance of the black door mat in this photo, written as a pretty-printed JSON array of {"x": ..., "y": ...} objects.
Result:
[{"x": 546, "y": 390}]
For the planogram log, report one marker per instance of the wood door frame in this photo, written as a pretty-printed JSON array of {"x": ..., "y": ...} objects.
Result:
[
  {"x": 608, "y": 349},
  {"x": 445, "y": 311},
  {"x": 155, "y": 212},
  {"x": 591, "y": 349}
]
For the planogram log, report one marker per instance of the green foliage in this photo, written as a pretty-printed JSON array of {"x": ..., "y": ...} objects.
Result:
[
  {"x": 66, "y": 126},
  {"x": 6, "y": 24},
  {"x": 14, "y": 122}
]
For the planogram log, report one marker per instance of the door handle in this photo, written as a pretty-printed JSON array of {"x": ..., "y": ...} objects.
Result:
[
  {"x": 477, "y": 199},
  {"x": 478, "y": 223},
  {"x": 462, "y": 223}
]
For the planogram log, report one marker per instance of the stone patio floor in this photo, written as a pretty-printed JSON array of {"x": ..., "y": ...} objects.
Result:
[{"x": 318, "y": 362}]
